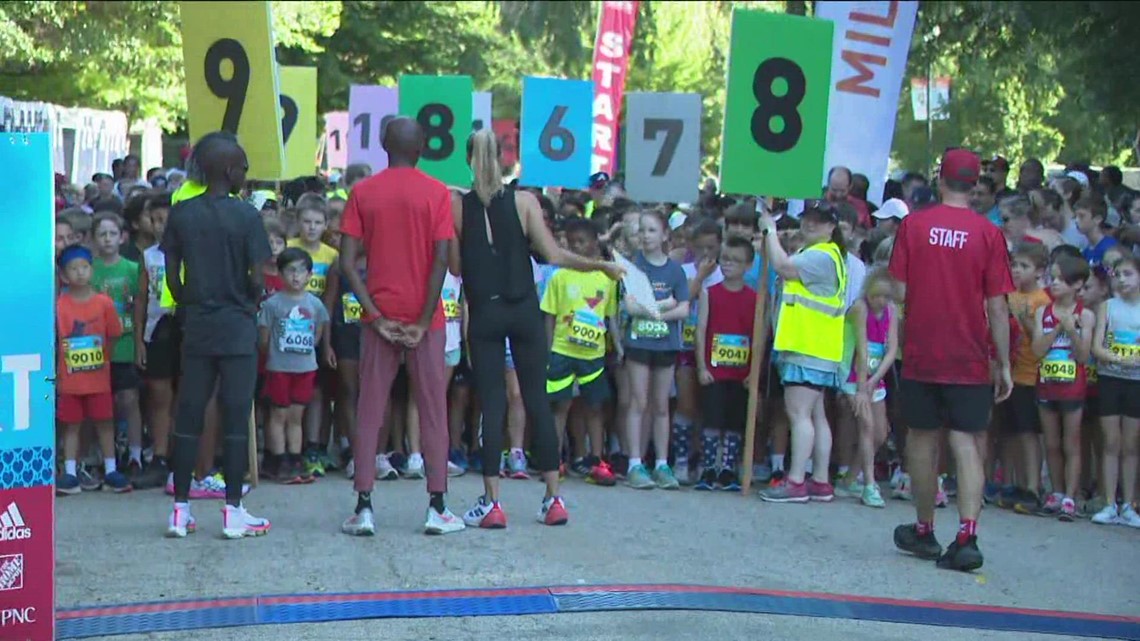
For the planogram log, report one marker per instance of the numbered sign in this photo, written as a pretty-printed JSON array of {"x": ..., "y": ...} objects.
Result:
[
  {"x": 775, "y": 120},
  {"x": 369, "y": 109},
  {"x": 299, "y": 120},
  {"x": 442, "y": 105},
  {"x": 555, "y": 137},
  {"x": 231, "y": 78},
  {"x": 481, "y": 110},
  {"x": 336, "y": 140},
  {"x": 663, "y": 146}
]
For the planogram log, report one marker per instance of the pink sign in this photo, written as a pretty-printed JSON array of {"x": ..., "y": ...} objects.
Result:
[
  {"x": 611, "y": 63},
  {"x": 369, "y": 109},
  {"x": 336, "y": 140},
  {"x": 27, "y": 563}
]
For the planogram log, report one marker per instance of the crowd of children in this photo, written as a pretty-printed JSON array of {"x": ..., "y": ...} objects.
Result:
[{"x": 632, "y": 385}]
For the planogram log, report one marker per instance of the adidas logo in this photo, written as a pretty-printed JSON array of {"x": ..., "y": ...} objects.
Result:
[{"x": 12, "y": 527}]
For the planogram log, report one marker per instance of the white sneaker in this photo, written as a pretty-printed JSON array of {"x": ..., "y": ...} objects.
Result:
[
  {"x": 442, "y": 523},
  {"x": 454, "y": 470},
  {"x": 486, "y": 514},
  {"x": 681, "y": 473},
  {"x": 360, "y": 524},
  {"x": 181, "y": 523},
  {"x": 237, "y": 523},
  {"x": 350, "y": 469},
  {"x": 1107, "y": 516},
  {"x": 384, "y": 469},
  {"x": 415, "y": 467},
  {"x": 902, "y": 490},
  {"x": 1129, "y": 517}
]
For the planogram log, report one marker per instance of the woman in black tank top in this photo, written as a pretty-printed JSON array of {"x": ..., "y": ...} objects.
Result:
[{"x": 496, "y": 227}]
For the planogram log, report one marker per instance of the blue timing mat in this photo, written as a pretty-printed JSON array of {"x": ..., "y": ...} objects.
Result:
[{"x": 80, "y": 623}]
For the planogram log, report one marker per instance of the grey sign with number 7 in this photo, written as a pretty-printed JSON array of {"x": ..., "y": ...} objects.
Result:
[{"x": 663, "y": 146}]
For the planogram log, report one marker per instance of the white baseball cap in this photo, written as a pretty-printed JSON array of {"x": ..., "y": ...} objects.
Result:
[{"x": 893, "y": 208}]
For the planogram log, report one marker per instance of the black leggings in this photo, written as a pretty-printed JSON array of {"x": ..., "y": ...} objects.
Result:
[
  {"x": 490, "y": 325},
  {"x": 200, "y": 376}
]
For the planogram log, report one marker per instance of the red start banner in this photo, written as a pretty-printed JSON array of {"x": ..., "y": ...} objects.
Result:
[
  {"x": 611, "y": 62},
  {"x": 27, "y": 557},
  {"x": 507, "y": 131}
]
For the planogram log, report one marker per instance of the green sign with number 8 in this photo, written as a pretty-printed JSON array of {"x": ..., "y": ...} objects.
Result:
[
  {"x": 442, "y": 105},
  {"x": 775, "y": 120}
]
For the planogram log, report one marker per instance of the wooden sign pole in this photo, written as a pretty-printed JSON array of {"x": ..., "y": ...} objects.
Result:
[
  {"x": 759, "y": 345},
  {"x": 253, "y": 472}
]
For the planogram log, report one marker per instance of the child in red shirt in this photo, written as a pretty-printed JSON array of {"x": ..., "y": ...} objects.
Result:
[{"x": 87, "y": 326}]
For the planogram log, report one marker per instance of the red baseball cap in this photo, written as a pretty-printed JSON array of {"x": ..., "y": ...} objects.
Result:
[{"x": 961, "y": 164}]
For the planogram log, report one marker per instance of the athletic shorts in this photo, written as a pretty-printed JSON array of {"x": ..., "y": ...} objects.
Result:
[
  {"x": 1062, "y": 407},
  {"x": 653, "y": 358},
  {"x": 345, "y": 341},
  {"x": 283, "y": 389},
  {"x": 931, "y": 406},
  {"x": 687, "y": 358},
  {"x": 1019, "y": 412},
  {"x": 851, "y": 389},
  {"x": 164, "y": 351},
  {"x": 1119, "y": 397},
  {"x": 124, "y": 376},
  {"x": 74, "y": 409},
  {"x": 724, "y": 405},
  {"x": 564, "y": 372}
]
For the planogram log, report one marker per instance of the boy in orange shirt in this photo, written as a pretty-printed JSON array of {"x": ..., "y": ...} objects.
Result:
[
  {"x": 87, "y": 326},
  {"x": 1021, "y": 447}
]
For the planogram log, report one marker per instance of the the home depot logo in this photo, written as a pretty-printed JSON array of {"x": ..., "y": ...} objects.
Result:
[
  {"x": 11, "y": 572},
  {"x": 12, "y": 526}
]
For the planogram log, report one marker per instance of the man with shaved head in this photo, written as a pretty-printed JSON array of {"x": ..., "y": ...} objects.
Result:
[{"x": 401, "y": 219}]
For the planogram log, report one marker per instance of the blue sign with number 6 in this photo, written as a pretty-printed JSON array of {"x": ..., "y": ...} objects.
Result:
[{"x": 555, "y": 133}]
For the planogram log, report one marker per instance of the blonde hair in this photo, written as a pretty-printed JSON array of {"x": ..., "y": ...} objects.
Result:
[{"x": 483, "y": 155}]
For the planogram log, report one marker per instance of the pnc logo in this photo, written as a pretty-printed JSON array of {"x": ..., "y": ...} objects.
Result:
[{"x": 17, "y": 616}]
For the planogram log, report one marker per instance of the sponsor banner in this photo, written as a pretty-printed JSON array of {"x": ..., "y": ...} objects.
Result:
[
  {"x": 611, "y": 63},
  {"x": 27, "y": 564}
]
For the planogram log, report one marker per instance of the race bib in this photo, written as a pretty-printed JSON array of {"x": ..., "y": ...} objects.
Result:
[
  {"x": 1059, "y": 367},
  {"x": 352, "y": 309},
  {"x": 1125, "y": 344},
  {"x": 648, "y": 328},
  {"x": 1090, "y": 372},
  {"x": 875, "y": 353},
  {"x": 319, "y": 279},
  {"x": 451, "y": 311},
  {"x": 730, "y": 350},
  {"x": 298, "y": 336},
  {"x": 83, "y": 353},
  {"x": 587, "y": 330},
  {"x": 689, "y": 335}
]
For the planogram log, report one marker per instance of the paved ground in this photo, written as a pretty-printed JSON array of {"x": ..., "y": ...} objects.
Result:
[{"x": 616, "y": 535}]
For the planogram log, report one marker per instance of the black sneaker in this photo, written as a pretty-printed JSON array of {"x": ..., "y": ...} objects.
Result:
[
  {"x": 619, "y": 464},
  {"x": 964, "y": 558},
  {"x": 924, "y": 547},
  {"x": 1027, "y": 503},
  {"x": 581, "y": 467},
  {"x": 727, "y": 481},
  {"x": 708, "y": 480},
  {"x": 151, "y": 476}
]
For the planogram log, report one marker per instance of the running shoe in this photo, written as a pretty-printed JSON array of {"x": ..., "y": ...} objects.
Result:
[
  {"x": 964, "y": 558},
  {"x": 328, "y": 461},
  {"x": 518, "y": 466},
  {"x": 1108, "y": 515},
  {"x": 925, "y": 546},
  {"x": 385, "y": 470},
  {"x": 486, "y": 514},
  {"x": 457, "y": 459},
  {"x": 902, "y": 489},
  {"x": 1068, "y": 512},
  {"x": 851, "y": 490},
  {"x": 553, "y": 512},
  {"x": 292, "y": 471},
  {"x": 991, "y": 492},
  {"x": 1129, "y": 517},
  {"x": 363, "y": 523},
  {"x": 180, "y": 523},
  {"x": 1027, "y": 502},
  {"x": 786, "y": 492},
  {"x": 581, "y": 467},
  {"x": 896, "y": 477},
  {"x": 350, "y": 469},
  {"x": 663, "y": 477},
  {"x": 313, "y": 463},
  {"x": 727, "y": 481},
  {"x": 761, "y": 472},
  {"x": 88, "y": 480},
  {"x": 237, "y": 523},
  {"x": 117, "y": 482},
  {"x": 151, "y": 476},
  {"x": 639, "y": 478},
  {"x": 504, "y": 463},
  {"x": 475, "y": 462},
  {"x": 601, "y": 474},
  {"x": 1007, "y": 497},
  {"x": 1052, "y": 505},
  {"x": 778, "y": 478},
  {"x": 619, "y": 463},
  {"x": 821, "y": 492},
  {"x": 414, "y": 469},
  {"x": 442, "y": 522},
  {"x": 707, "y": 482},
  {"x": 454, "y": 470},
  {"x": 214, "y": 487},
  {"x": 871, "y": 496},
  {"x": 950, "y": 484},
  {"x": 681, "y": 473},
  {"x": 67, "y": 484}
]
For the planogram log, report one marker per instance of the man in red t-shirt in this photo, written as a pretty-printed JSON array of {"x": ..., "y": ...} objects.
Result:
[
  {"x": 954, "y": 269},
  {"x": 401, "y": 218}
]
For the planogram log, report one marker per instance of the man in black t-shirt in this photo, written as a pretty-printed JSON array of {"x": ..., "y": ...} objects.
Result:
[{"x": 222, "y": 244}]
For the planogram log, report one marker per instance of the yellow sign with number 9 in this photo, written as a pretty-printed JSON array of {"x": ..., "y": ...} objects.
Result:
[{"x": 231, "y": 79}]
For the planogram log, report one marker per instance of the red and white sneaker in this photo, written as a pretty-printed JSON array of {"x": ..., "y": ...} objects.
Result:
[
  {"x": 486, "y": 514},
  {"x": 822, "y": 492},
  {"x": 237, "y": 523},
  {"x": 601, "y": 474},
  {"x": 553, "y": 512},
  {"x": 181, "y": 522}
]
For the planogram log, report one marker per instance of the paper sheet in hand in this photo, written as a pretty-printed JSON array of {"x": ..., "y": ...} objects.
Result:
[{"x": 637, "y": 284}]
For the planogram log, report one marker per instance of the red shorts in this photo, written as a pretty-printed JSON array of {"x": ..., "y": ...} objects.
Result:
[
  {"x": 73, "y": 409},
  {"x": 283, "y": 389}
]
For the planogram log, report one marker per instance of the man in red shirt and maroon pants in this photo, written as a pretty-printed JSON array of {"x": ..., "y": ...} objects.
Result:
[
  {"x": 401, "y": 218},
  {"x": 951, "y": 261}
]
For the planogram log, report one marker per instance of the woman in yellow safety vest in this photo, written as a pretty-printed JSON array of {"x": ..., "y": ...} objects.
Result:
[{"x": 809, "y": 345}]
